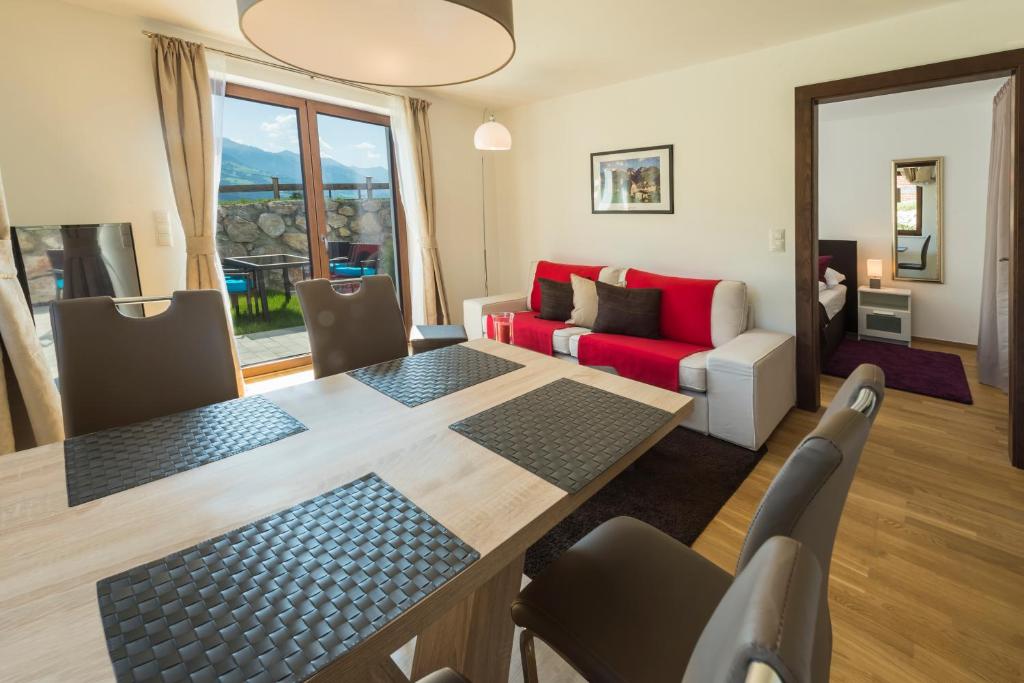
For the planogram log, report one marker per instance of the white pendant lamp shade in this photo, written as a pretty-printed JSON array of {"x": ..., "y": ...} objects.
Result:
[
  {"x": 492, "y": 136},
  {"x": 384, "y": 42}
]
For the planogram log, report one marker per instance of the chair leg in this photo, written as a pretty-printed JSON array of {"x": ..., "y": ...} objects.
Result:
[{"x": 529, "y": 656}]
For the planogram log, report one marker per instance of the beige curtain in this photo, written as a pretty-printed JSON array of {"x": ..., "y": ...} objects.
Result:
[
  {"x": 411, "y": 129},
  {"x": 994, "y": 327},
  {"x": 186, "y": 111},
  {"x": 185, "y": 97},
  {"x": 30, "y": 411}
]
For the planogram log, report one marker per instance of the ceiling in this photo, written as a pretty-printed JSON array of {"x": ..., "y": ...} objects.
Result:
[
  {"x": 961, "y": 94},
  {"x": 567, "y": 46}
]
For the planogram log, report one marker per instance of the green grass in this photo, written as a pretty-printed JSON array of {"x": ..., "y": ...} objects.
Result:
[{"x": 281, "y": 315}]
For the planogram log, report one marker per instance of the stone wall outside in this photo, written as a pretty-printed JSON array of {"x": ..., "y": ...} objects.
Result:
[{"x": 278, "y": 226}]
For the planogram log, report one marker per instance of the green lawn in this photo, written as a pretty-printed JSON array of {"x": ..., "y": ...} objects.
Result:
[{"x": 280, "y": 316}]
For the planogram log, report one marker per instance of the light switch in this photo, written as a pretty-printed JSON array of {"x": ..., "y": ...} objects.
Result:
[
  {"x": 162, "y": 222},
  {"x": 777, "y": 239}
]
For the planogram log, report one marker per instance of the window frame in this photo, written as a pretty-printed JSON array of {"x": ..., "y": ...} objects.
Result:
[{"x": 307, "y": 111}]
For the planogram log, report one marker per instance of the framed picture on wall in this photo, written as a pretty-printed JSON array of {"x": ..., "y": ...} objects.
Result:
[{"x": 632, "y": 180}]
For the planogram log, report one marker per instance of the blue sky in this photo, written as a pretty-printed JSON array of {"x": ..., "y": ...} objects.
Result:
[{"x": 272, "y": 128}]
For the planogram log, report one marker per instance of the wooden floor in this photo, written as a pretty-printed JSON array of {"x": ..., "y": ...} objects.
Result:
[
  {"x": 927, "y": 578},
  {"x": 928, "y": 574}
]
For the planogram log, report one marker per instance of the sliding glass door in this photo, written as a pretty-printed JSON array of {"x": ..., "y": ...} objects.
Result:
[{"x": 306, "y": 191}]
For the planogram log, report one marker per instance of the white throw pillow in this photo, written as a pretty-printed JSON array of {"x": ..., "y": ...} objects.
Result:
[
  {"x": 833, "y": 277},
  {"x": 822, "y": 286},
  {"x": 584, "y": 302}
]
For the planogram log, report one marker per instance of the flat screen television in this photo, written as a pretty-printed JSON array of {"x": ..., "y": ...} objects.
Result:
[{"x": 73, "y": 261}]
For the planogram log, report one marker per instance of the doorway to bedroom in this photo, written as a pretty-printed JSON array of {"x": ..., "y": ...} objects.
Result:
[
  {"x": 904, "y": 236},
  {"x": 904, "y": 188}
]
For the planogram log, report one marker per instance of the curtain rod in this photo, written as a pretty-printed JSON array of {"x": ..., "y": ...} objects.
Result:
[{"x": 282, "y": 67}]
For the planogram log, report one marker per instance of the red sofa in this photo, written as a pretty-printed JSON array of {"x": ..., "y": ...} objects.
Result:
[{"x": 742, "y": 380}]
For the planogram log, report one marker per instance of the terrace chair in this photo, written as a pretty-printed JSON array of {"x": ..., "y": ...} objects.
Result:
[
  {"x": 630, "y": 603},
  {"x": 239, "y": 282},
  {"x": 56, "y": 259},
  {"x": 349, "y": 331},
  {"x": 115, "y": 370},
  {"x": 362, "y": 260}
]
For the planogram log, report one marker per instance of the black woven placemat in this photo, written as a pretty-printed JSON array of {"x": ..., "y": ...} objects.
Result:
[
  {"x": 565, "y": 432},
  {"x": 118, "y": 459},
  {"x": 282, "y": 597},
  {"x": 417, "y": 379}
]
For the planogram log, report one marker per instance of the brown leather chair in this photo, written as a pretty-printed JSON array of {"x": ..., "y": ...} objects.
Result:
[
  {"x": 629, "y": 603},
  {"x": 348, "y": 331},
  {"x": 115, "y": 370},
  {"x": 763, "y": 628}
]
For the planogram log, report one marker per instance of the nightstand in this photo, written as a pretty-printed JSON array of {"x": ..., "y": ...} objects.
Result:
[{"x": 883, "y": 314}]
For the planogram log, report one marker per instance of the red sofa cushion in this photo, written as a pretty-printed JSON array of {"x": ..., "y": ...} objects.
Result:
[
  {"x": 530, "y": 332},
  {"x": 559, "y": 272},
  {"x": 685, "y": 305},
  {"x": 652, "y": 361}
]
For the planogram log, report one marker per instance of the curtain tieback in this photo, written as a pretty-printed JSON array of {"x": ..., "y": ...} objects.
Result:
[
  {"x": 429, "y": 245},
  {"x": 199, "y": 246}
]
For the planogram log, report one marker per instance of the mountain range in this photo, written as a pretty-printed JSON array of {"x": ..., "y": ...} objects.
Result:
[{"x": 247, "y": 165}]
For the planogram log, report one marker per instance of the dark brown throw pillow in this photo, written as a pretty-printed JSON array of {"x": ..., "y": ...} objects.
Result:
[
  {"x": 622, "y": 310},
  {"x": 555, "y": 300}
]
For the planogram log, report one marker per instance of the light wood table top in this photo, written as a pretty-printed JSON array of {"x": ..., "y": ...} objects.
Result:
[{"x": 51, "y": 556}]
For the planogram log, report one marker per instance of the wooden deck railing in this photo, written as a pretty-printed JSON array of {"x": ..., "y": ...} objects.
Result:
[{"x": 277, "y": 187}]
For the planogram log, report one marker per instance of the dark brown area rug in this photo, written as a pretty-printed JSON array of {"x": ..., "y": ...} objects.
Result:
[{"x": 678, "y": 486}]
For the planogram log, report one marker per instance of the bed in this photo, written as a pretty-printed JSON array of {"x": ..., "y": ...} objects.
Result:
[{"x": 837, "y": 306}]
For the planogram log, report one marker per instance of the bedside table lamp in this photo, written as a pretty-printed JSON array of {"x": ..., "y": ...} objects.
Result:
[{"x": 875, "y": 273}]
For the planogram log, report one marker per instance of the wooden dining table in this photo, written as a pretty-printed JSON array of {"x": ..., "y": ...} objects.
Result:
[{"x": 51, "y": 556}]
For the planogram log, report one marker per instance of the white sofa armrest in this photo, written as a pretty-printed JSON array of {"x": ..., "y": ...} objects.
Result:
[
  {"x": 475, "y": 310},
  {"x": 751, "y": 386}
]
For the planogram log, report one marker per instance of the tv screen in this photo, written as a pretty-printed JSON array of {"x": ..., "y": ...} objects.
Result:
[{"x": 71, "y": 262}]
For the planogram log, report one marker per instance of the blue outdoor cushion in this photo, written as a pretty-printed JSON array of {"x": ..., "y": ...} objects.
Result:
[
  {"x": 237, "y": 285},
  {"x": 351, "y": 271}
]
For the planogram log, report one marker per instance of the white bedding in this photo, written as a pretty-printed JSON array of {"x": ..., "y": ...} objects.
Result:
[{"x": 833, "y": 299}]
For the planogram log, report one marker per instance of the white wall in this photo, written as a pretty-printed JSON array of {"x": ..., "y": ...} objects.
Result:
[
  {"x": 732, "y": 124},
  {"x": 80, "y": 137},
  {"x": 857, "y": 143}
]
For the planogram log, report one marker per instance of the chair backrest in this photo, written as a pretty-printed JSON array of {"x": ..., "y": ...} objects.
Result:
[
  {"x": 116, "y": 370},
  {"x": 806, "y": 498},
  {"x": 924, "y": 252},
  {"x": 338, "y": 249},
  {"x": 348, "y": 331},
  {"x": 56, "y": 258},
  {"x": 767, "y": 620},
  {"x": 362, "y": 251}
]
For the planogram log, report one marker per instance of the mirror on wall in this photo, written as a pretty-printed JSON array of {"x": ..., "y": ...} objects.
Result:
[{"x": 917, "y": 219}]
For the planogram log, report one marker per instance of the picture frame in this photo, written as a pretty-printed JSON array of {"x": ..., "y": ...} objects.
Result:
[{"x": 637, "y": 180}]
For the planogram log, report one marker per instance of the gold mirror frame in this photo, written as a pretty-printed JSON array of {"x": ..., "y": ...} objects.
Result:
[{"x": 939, "y": 181}]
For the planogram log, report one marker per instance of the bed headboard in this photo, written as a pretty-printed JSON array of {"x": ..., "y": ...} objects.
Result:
[{"x": 844, "y": 260}]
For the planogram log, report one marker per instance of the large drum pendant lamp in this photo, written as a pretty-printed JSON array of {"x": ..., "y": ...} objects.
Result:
[{"x": 415, "y": 43}]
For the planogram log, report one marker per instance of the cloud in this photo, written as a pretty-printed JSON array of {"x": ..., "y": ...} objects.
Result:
[
  {"x": 282, "y": 123},
  {"x": 365, "y": 145},
  {"x": 372, "y": 155},
  {"x": 279, "y": 134}
]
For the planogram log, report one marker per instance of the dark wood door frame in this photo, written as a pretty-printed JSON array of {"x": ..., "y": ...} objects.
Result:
[{"x": 808, "y": 97}]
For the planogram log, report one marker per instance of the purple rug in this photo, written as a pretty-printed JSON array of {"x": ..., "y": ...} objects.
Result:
[{"x": 931, "y": 373}]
